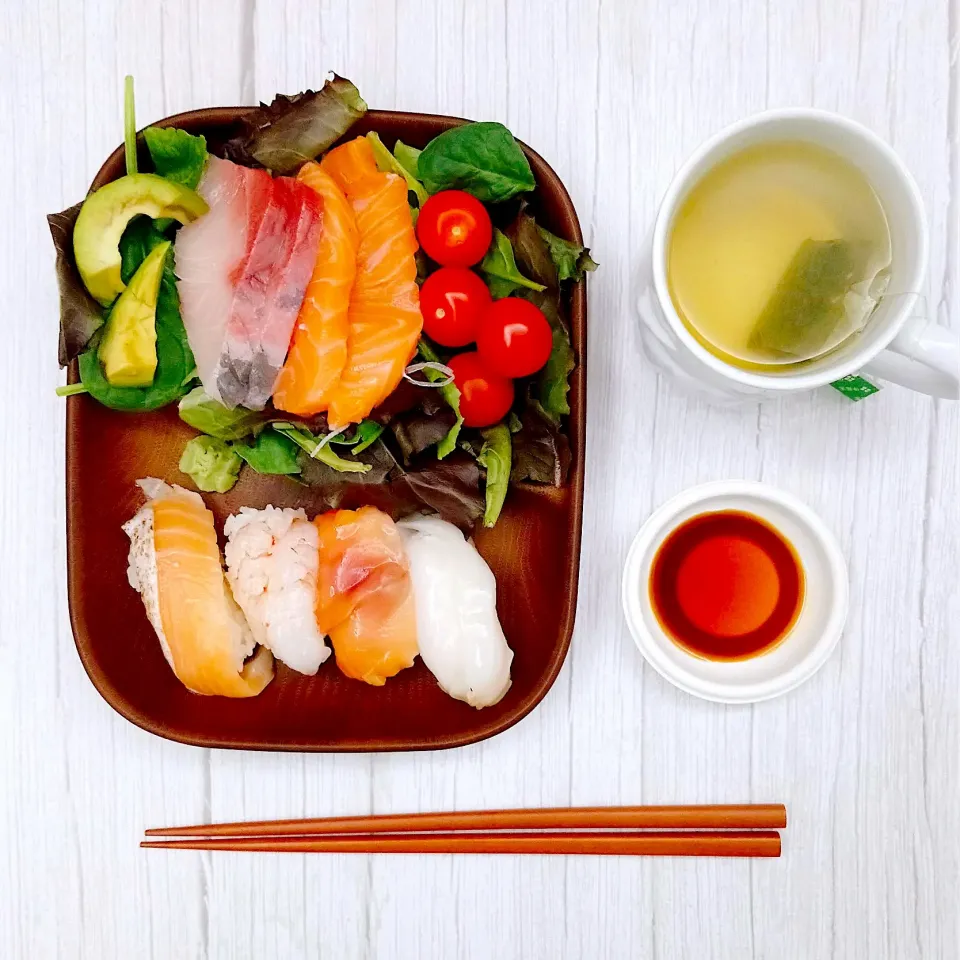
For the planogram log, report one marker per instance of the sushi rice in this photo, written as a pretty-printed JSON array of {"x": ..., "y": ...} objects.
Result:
[{"x": 272, "y": 561}]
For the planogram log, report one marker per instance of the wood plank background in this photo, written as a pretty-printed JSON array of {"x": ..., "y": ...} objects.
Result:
[{"x": 614, "y": 94}]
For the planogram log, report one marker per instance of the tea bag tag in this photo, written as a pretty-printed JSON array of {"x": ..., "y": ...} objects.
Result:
[{"x": 855, "y": 387}]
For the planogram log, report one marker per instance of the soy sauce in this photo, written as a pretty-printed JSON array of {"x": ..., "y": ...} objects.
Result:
[{"x": 726, "y": 586}]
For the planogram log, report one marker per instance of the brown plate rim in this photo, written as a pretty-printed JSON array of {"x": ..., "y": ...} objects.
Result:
[{"x": 577, "y": 432}]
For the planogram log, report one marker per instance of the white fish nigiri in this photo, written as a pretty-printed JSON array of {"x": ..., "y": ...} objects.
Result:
[
  {"x": 272, "y": 565},
  {"x": 455, "y": 595}
]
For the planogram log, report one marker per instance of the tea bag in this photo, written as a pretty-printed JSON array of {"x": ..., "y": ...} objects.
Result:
[{"x": 826, "y": 294}]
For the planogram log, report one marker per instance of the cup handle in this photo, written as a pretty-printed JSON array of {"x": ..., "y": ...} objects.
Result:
[{"x": 924, "y": 357}]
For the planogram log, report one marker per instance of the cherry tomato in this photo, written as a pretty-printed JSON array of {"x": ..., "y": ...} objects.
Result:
[
  {"x": 485, "y": 397},
  {"x": 514, "y": 338},
  {"x": 452, "y": 301},
  {"x": 454, "y": 229}
]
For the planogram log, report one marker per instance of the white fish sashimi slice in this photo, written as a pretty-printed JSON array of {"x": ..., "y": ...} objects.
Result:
[
  {"x": 272, "y": 560},
  {"x": 207, "y": 252},
  {"x": 455, "y": 595}
]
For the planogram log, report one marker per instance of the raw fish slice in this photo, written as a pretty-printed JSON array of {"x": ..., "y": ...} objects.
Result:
[
  {"x": 364, "y": 596},
  {"x": 385, "y": 320},
  {"x": 319, "y": 348},
  {"x": 206, "y": 252},
  {"x": 175, "y": 565},
  {"x": 460, "y": 638},
  {"x": 272, "y": 562}
]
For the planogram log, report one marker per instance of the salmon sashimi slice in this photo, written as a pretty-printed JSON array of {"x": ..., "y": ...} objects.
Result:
[
  {"x": 242, "y": 277},
  {"x": 318, "y": 351},
  {"x": 384, "y": 318},
  {"x": 365, "y": 595},
  {"x": 175, "y": 565}
]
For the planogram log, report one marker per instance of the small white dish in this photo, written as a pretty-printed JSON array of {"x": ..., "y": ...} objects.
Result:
[{"x": 805, "y": 648}]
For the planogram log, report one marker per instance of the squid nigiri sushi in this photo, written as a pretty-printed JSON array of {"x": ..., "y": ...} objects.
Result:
[
  {"x": 364, "y": 595},
  {"x": 272, "y": 564},
  {"x": 174, "y": 563},
  {"x": 460, "y": 638}
]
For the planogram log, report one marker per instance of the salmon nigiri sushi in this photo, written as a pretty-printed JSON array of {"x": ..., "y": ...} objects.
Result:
[
  {"x": 364, "y": 594},
  {"x": 318, "y": 351},
  {"x": 174, "y": 564},
  {"x": 384, "y": 318}
]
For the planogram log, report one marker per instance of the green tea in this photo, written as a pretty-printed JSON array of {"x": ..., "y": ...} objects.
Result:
[{"x": 778, "y": 254}]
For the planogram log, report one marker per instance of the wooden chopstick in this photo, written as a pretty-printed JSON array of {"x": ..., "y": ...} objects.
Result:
[
  {"x": 659, "y": 843},
  {"x": 764, "y": 816}
]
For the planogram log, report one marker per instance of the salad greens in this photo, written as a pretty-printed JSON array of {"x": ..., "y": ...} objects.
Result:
[
  {"x": 210, "y": 463},
  {"x": 129, "y": 126},
  {"x": 388, "y": 163},
  {"x": 292, "y": 130},
  {"x": 205, "y": 414},
  {"x": 175, "y": 360},
  {"x": 271, "y": 452},
  {"x": 449, "y": 392},
  {"x": 481, "y": 158},
  {"x": 495, "y": 456},
  {"x": 408, "y": 158},
  {"x": 80, "y": 315},
  {"x": 500, "y": 267},
  {"x": 541, "y": 451},
  {"x": 572, "y": 260},
  {"x": 177, "y": 155},
  {"x": 317, "y": 448}
]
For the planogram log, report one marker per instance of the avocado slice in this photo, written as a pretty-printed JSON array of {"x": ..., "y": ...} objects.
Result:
[
  {"x": 105, "y": 215},
  {"x": 128, "y": 350}
]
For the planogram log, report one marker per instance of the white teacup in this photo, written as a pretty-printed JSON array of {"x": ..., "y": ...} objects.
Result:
[{"x": 895, "y": 345}]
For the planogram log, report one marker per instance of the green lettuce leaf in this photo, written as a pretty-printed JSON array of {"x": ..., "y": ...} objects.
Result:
[
  {"x": 211, "y": 464},
  {"x": 205, "y": 414},
  {"x": 572, "y": 260},
  {"x": 310, "y": 444},
  {"x": 271, "y": 452},
  {"x": 388, "y": 163},
  {"x": 292, "y": 130},
  {"x": 500, "y": 268},
  {"x": 481, "y": 158},
  {"x": 175, "y": 363},
  {"x": 495, "y": 455},
  {"x": 80, "y": 315},
  {"x": 449, "y": 392},
  {"x": 177, "y": 155},
  {"x": 408, "y": 158}
]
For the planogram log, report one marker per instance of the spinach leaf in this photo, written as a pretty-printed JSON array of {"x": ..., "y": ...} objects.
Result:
[
  {"x": 211, "y": 464},
  {"x": 177, "y": 155},
  {"x": 364, "y": 436},
  {"x": 292, "y": 130},
  {"x": 481, "y": 158},
  {"x": 500, "y": 268},
  {"x": 571, "y": 259},
  {"x": 205, "y": 414},
  {"x": 140, "y": 237},
  {"x": 408, "y": 158},
  {"x": 175, "y": 362},
  {"x": 311, "y": 445},
  {"x": 80, "y": 315},
  {"x": 271, "y": 452},
  {"x": 388, "y": 163},
  {"x": 495, "y": 456},
  {"x": 541, "y": 452},
  {"x": 449, "y": 392}
]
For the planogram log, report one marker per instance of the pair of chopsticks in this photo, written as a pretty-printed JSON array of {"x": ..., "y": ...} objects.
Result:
[{"x": 692, "y": 831}]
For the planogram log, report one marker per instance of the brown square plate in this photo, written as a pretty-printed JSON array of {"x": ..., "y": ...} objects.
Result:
[{"x": 534, "y": 552}]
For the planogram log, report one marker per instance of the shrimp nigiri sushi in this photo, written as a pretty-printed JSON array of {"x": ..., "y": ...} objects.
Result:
[
  {"x": 460, "y": 638},
  {"x": 364, "y": 594},
  {"x": 272, "y": 564},
  {"x": 174, "y": 563}
]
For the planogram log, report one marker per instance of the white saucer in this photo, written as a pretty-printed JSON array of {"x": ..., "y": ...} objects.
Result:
[{"x": 814, "y": 635}]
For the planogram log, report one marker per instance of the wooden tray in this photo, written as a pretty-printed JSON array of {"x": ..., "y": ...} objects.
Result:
[{"x": 534, "y": 552}]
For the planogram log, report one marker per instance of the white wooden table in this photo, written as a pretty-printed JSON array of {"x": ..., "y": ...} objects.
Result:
[{"x": 614, "y": 94}]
